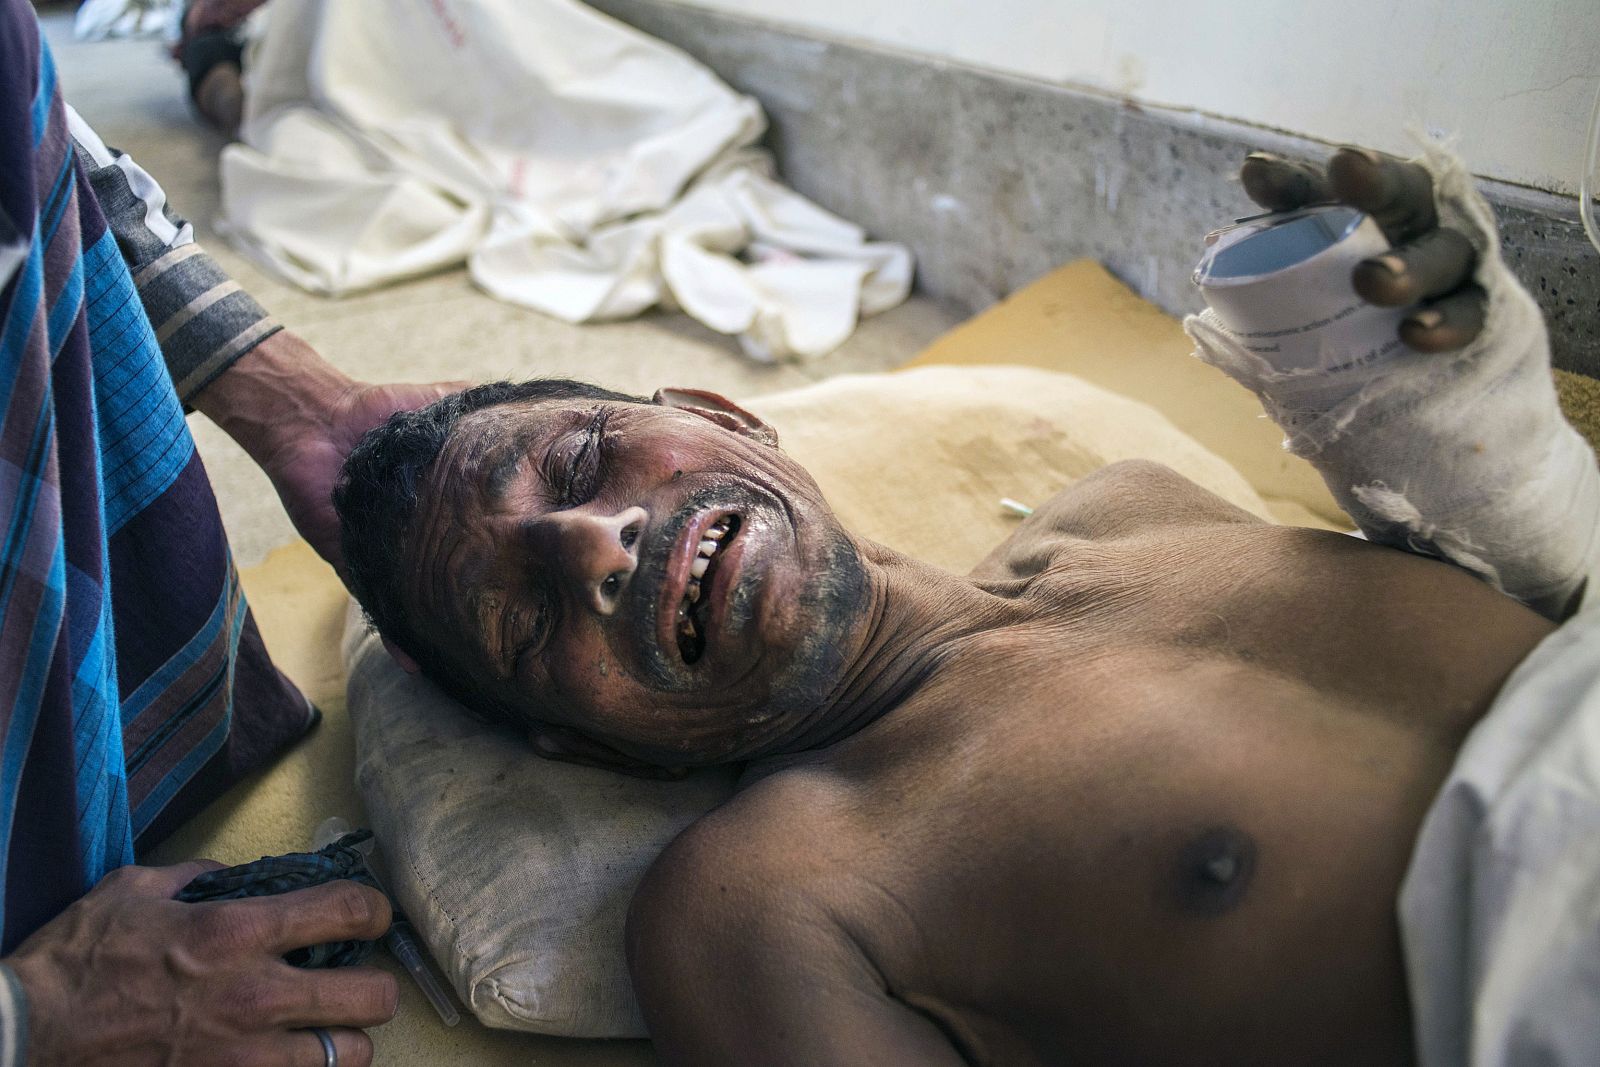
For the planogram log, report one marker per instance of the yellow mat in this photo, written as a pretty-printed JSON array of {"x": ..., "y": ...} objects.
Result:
[{"x": 1081, "y": 320}]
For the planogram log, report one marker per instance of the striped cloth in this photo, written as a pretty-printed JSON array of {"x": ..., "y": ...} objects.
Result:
[
  {"x": 134, "y": 687},
  {"x": 202, "y": 319}
]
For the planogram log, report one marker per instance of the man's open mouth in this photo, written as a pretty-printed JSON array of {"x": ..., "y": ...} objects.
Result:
[{"x": 694, "y": 610}]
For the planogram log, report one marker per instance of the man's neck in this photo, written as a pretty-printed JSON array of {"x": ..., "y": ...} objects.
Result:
[{"x": 917, "y": 617}]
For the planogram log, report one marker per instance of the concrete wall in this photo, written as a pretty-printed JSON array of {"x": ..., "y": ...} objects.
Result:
[
  {"x": 992, "y": 179},
  {"x": 1515, "y": 79}
]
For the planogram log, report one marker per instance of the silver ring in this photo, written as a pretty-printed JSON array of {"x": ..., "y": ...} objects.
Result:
[{"x": 330, "y": 1055}]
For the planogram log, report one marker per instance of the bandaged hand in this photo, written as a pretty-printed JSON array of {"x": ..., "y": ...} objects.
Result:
[
  {"x": 128, "y": 976},
  {"x": 1456, "y": 447}
]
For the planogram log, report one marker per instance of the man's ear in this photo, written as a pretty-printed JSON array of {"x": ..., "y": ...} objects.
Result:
[
  {"x": 718, "y": 409},
  {"x": 568, "y": 746}
]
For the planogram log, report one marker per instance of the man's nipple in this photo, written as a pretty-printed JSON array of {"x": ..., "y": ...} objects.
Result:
[{"x": 1214, "y": 870}]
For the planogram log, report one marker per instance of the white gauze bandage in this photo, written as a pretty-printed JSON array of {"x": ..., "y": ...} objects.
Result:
[{"x": 1463, "y": 454}]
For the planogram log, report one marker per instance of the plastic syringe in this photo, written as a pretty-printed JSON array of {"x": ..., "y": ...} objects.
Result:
[{"x": 401, "y": 940}]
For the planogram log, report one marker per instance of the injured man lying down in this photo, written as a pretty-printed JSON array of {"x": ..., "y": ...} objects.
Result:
[{"x": 1144, "y": 787}]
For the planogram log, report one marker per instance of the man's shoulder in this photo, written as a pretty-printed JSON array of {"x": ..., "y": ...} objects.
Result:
[
  {"x": 1127, "y": 499},
  {"x": 766, "y": 863},
  {"x": 769, "y": 910}
]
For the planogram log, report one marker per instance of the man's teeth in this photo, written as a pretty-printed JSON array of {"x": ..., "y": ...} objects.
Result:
[{"x": 710, "y": 542}]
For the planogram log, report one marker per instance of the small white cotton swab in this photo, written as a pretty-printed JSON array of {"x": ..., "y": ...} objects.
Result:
[{"x": 1016, "y": 507}]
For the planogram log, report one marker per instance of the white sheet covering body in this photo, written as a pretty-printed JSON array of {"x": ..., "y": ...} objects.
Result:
[
  {"x": 576, "y": 165},
  {"x": 1500, "y": 910}
]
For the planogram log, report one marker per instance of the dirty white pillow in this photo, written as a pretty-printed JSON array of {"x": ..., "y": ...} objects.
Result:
[{"x": 517, "y": 871}]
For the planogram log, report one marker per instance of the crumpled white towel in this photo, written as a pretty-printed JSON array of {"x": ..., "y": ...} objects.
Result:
[
  {"x": 97, "y": 20},
  {"x": 576, "y": 165}
]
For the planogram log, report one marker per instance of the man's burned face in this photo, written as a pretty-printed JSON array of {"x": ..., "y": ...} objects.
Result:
[{"x": 663, "y": 581}]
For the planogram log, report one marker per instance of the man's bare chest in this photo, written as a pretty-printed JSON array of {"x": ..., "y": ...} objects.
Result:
[
  {"x": 1175, "y": 769},
  {"x": 1053, "y": 858},
  {"x": 1367, "y": 627}
]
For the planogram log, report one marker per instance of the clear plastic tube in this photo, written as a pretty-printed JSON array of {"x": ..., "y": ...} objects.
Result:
[
  {"x": 402, "y": 942},
  {"x": 1591, "y": 159}
]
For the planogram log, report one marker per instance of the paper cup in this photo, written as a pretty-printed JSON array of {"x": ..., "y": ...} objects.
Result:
[{"x": 1281, "y": 284}]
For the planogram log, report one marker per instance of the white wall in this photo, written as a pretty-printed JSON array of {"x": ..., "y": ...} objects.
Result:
[{"x": 1515, "y": 79}]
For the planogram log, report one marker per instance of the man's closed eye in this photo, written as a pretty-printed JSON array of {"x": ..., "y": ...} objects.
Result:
[
  {"x": 573, "y": 465},
  {"x": 533, "y": 634}
]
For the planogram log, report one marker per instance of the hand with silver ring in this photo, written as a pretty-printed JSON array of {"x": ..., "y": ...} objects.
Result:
[{"x": 130, "y": 977}]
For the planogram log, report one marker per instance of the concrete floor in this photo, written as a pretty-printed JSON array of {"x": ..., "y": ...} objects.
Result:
[{"x": 438, "y": 327}]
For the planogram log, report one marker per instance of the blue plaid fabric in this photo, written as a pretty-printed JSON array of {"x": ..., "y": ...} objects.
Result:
[{"x": 134, "y": 686}]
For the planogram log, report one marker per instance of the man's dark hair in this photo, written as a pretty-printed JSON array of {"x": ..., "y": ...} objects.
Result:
[{"x": 376, "y": 499}]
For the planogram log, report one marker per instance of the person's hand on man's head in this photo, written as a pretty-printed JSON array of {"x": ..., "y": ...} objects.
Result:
[
  {"x": 1430, "y": 265},
  {"x": 305, "y": 471},
  {"x": 129, "y": 976},
  {"x": 210, "y": 16},
  {"x": 299, "y": 417}
]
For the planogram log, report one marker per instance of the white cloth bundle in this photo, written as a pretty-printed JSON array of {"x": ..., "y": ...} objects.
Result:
[
  {"x": 576, "y": 165},
  {"x": 1465, "y": 453}
]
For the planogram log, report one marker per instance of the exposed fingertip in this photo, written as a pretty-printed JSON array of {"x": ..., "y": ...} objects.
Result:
[
  {"x": 1428, "y": 331},
  {"x": 1397, "y": 194},
  {"x": 388, "y": 996},
  {"x": 1358, "y": 174},
  {"x": 361, "y": 1051},
  {"x": 352, "y": 1047},
  {"x": 1391, "y": 263},
  {"x": 361, "y": 911},
  {"x": 1384, "y": 281},
  {"x": 382, "y": 910},
  {"x": 1276, "y": 183}
]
